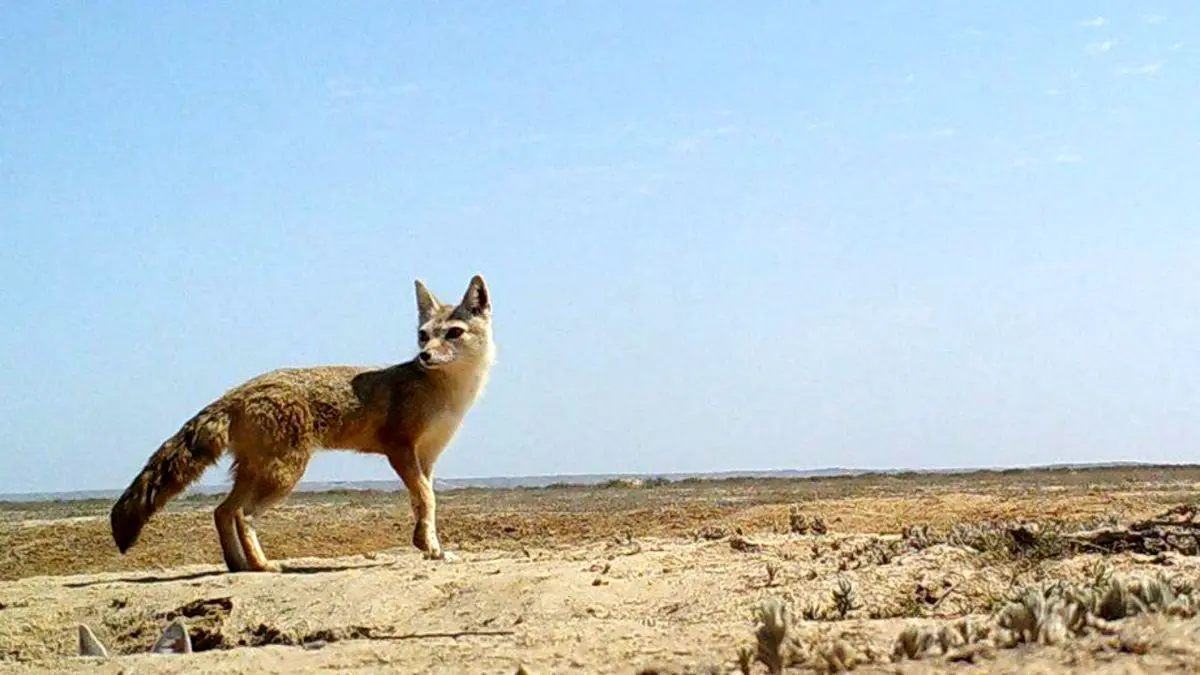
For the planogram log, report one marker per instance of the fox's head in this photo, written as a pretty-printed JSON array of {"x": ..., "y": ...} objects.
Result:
[{"x": 453, "y": 336}]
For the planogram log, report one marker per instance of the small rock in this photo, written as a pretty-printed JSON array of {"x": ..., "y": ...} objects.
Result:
[
  {"x": 174, "y": 640},
  {"x": 89, "y": 644},
  {"x": 740, "y": 543},
  {"x": 971, "y": 653}
]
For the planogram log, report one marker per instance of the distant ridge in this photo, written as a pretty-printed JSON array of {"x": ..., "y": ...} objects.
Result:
[{"x": 509, "y": 482}]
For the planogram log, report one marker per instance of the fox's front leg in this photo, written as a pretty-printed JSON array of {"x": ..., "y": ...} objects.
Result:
[{"x": 424, "y": 504}]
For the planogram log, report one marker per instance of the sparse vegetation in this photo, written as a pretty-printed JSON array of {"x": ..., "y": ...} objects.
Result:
[
  {"x": 774, "y": 648},
  {"x": 800, "y": 523},
  {"x": 772, "y": 573},
  {"x": 1051, "y": 614},
  {"x": 974, "y": 569},
  {"x": 778, "y": 648},
  {"x": 845, "y": 600}
]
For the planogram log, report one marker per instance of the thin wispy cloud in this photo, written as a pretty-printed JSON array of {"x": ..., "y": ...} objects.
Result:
[
  {"x": 535, "y": 138},
  {"x": 1068, "y": 158},
  {"x": 1101, "y": 47},
  {"x": 1147, "y": 69},
  {"x": 1175, "y": 47},
  {"x": 695, "y": 141},
  {"x": 1120, "y": 114},
  {"x": 942, "y": 132},
  {"x": 1153, "y": 18},
  {"x": 339, "y": 90},
  {"x": 651, "y": 184},
  {"x": 622, "y": 180},
  {"x": 1094, "y": 23}
]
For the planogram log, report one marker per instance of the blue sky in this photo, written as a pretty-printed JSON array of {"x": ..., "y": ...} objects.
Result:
[{"x": 718, "y": 235}]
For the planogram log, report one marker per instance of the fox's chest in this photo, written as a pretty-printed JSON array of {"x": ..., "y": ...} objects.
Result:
[
  {"x": 439, "y": 428},
  {"x": 437, "y": 435}
]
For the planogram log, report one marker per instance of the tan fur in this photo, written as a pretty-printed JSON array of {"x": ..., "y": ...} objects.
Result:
[{"x": 273, "y": 423}]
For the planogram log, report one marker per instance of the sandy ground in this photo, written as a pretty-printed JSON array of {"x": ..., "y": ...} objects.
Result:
[{"x": 587, "y": 580}]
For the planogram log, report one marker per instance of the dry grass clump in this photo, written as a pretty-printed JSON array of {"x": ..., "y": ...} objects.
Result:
[
  {"x": 843, "y": 600},
  {"x": 1020, "y": 540},
  {"x": 777, "y": 648},
  {"x": 799, "y": 523},
  {"x": 1002, "y": 541},
  {"x": 918, "y": 537},
  {"x": 772, "y": 573},
  {"x": 1052, "y": 615},
  {"x": 1033, "y": 541},
  {"x": 872, "y": 552},
  {"x": 706, "y": 669}
]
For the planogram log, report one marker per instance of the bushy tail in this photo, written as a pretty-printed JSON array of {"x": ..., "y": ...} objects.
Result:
[{"x": 177, "y": 462}]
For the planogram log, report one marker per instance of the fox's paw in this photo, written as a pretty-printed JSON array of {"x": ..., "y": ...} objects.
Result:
[
  {"x": 443, "y": 556},
  {"x": 424, "y": 538}
]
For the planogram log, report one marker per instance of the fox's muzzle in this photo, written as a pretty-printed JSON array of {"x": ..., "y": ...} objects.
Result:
[{"x": 433, "y": 358}]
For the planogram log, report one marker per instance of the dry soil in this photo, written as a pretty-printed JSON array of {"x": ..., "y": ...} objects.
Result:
[{"x": 615, "y": 579}]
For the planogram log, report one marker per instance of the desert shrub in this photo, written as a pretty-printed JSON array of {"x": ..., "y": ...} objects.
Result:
[
  {"x": 1051, "y": 615},
  {"x": 777, "y": 647},
  {"x": 799, "y": 523}
]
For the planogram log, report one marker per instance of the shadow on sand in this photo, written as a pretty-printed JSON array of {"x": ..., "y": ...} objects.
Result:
[{"x": 287, "y": 569}]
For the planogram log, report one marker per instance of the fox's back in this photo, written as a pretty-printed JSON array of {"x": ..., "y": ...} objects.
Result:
[
  {"x": 329, "y": 406},
  {"x": 319, "y": 385}
]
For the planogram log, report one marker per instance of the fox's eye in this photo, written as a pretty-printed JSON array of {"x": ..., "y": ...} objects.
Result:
[
  {"x": 454, "y": 332},
  {"x": 422, "y": 337}
]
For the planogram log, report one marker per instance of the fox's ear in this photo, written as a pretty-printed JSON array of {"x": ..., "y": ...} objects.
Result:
[
  {"x": 477, "y": 300},
  {"x": 426, "y": 303}
]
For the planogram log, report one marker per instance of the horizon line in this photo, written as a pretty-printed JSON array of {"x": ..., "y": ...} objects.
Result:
[{"x": 541, "y": 480}]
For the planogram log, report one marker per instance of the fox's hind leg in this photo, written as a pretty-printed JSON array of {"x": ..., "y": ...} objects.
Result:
[
  {"x": 248, "y": 540},
  {"x": 227, "y": 516},
  {"x": 239, "y": 543},
  {"x": 249, "y": 537},
  {"x": 273, "y": 482},
  {"x": 256, "y": 487}
]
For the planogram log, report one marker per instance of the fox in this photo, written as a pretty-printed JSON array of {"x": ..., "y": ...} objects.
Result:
[{"x": 273, "y": 423}]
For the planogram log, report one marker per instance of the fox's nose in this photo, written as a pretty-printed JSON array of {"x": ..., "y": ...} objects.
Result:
[{"x": 426, "y": 357}]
